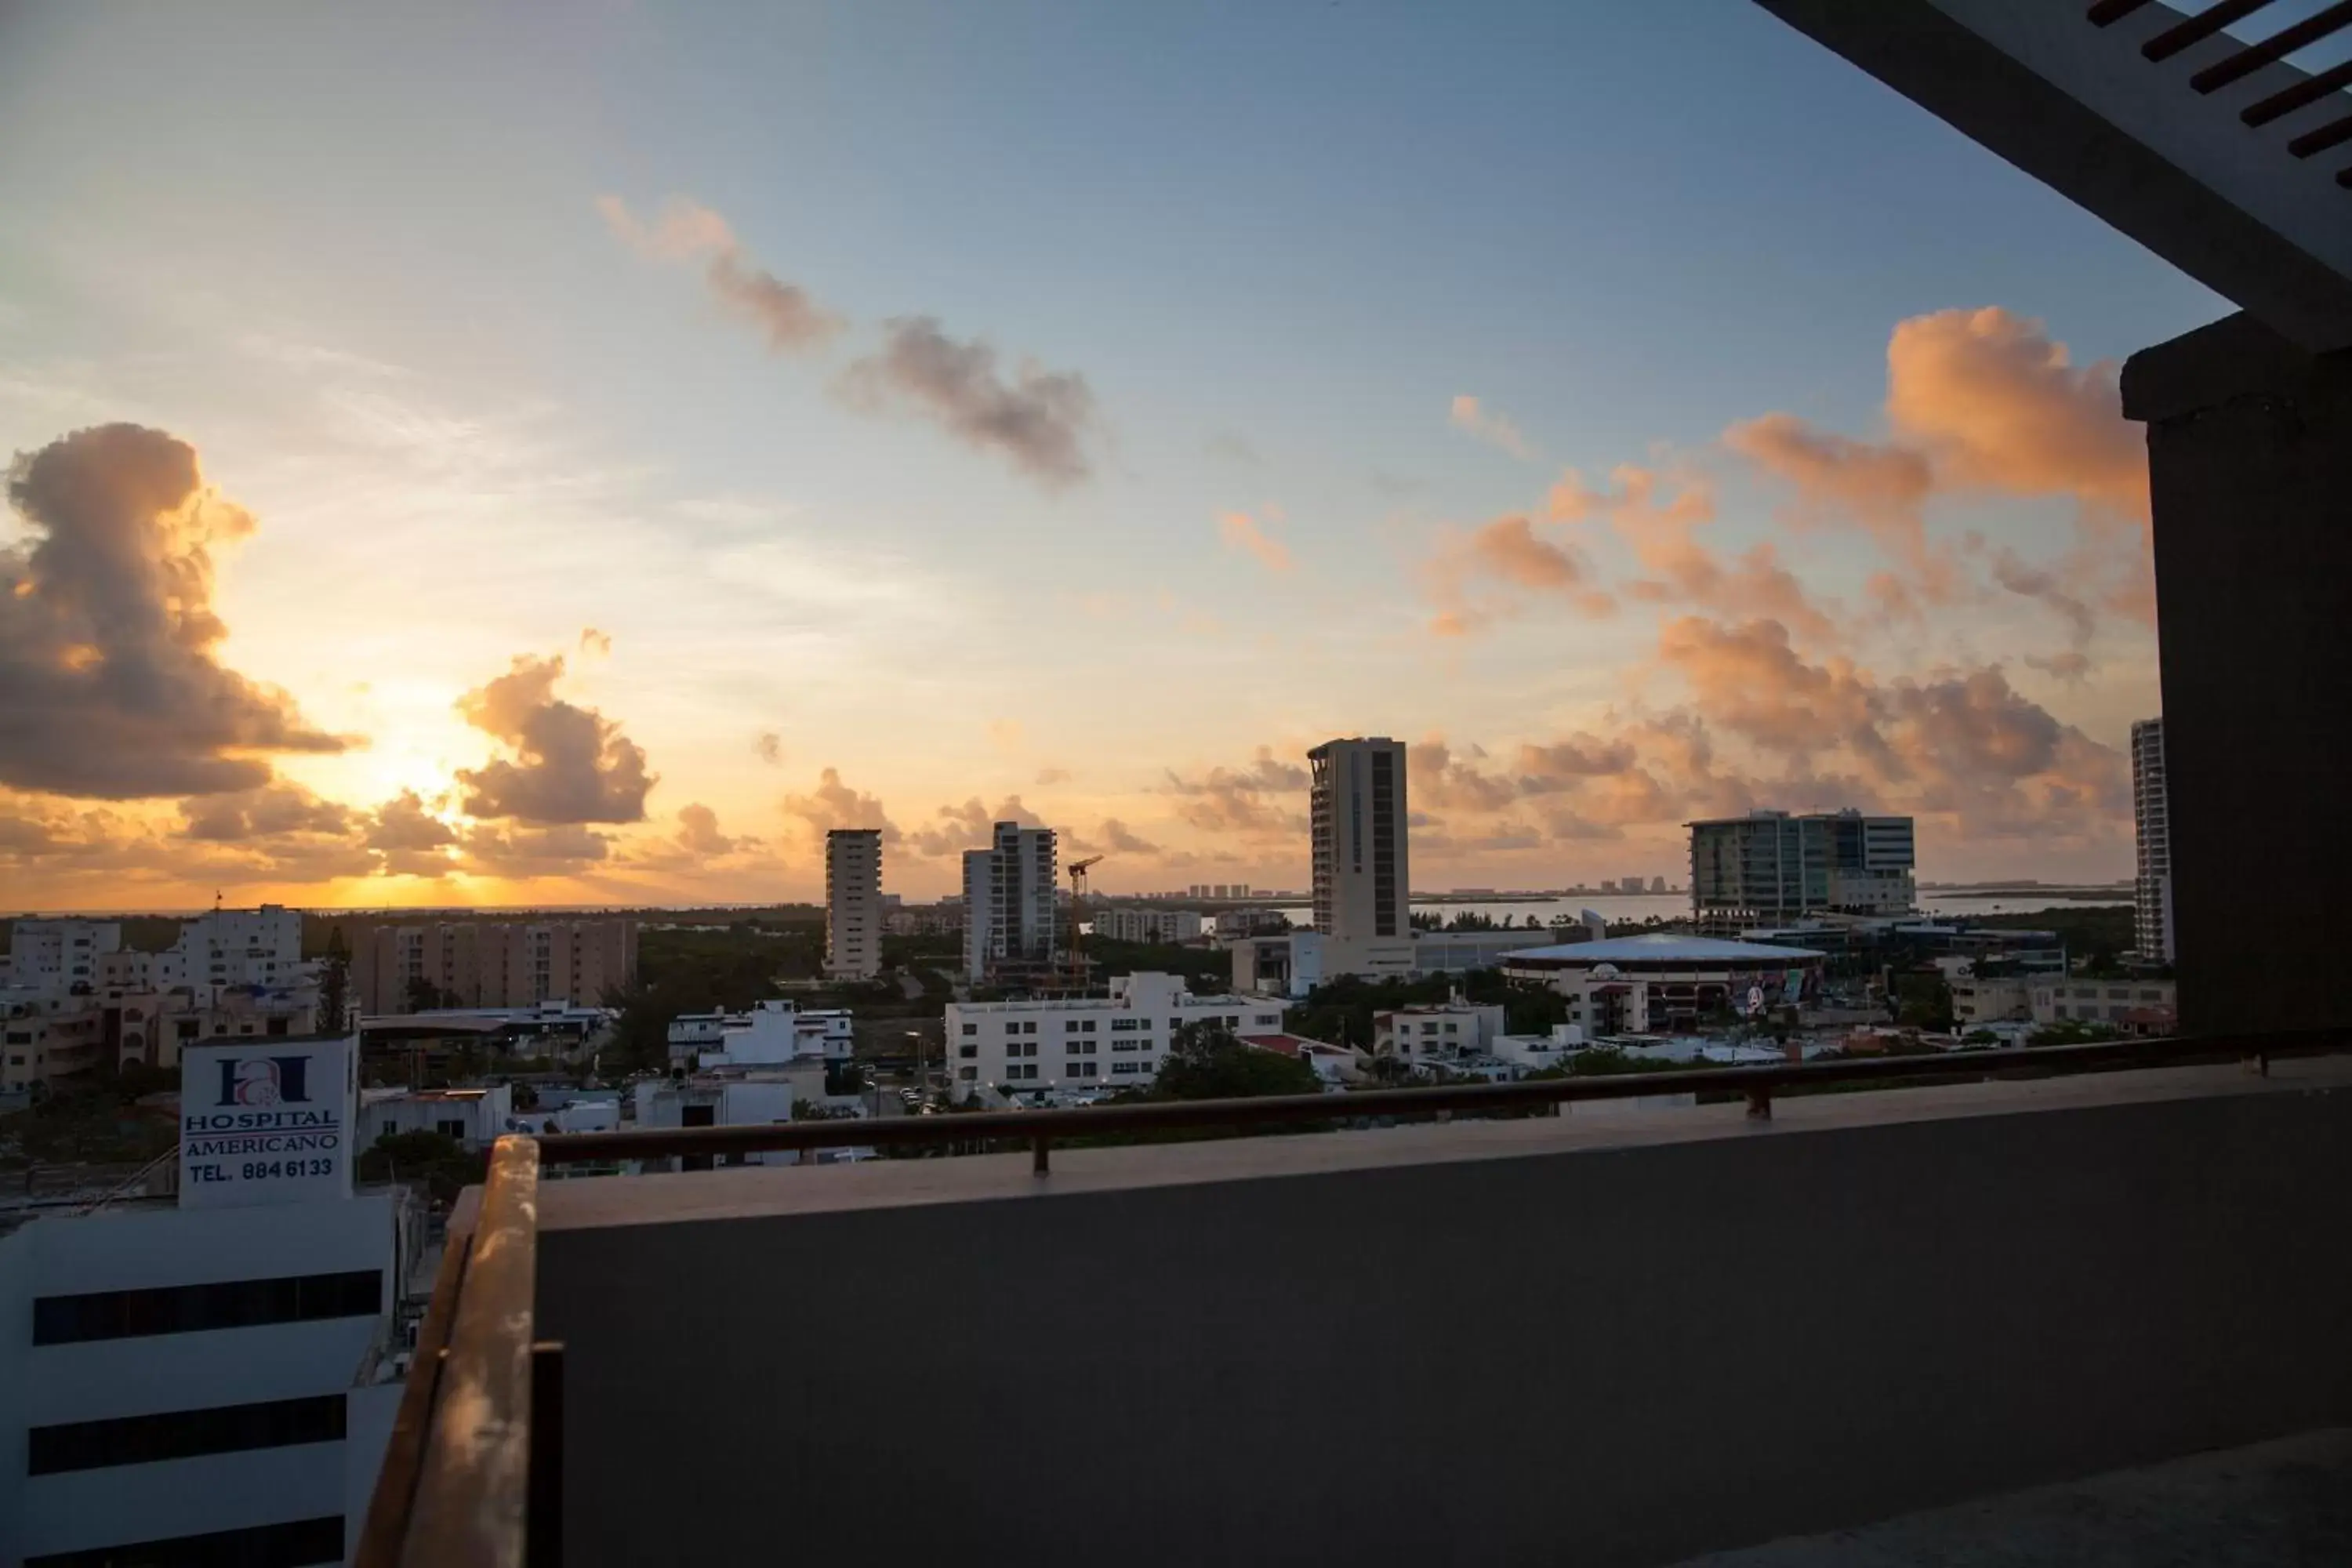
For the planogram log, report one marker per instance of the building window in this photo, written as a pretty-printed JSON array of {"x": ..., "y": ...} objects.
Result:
[
  {"x": 451, "y": 1130},
  {"x": 186, "y": 1309},
  {"x": 971, "y": 1028},
  {"x": 967, "y": 1052},
  {"x": 1086, "y": 1026},
  {"x": 184, "y": 1434},
  {"x": 1069, "y": 1025},
  {"x": 317, "y": 1540}
]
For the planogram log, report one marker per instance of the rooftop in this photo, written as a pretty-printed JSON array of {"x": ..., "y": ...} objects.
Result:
[{"x": 1656, "y": 946}]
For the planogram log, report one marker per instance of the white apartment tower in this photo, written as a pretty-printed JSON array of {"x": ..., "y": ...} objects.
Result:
[
  {"x": 2152, "y": 827},
  {"x": 853, "y": 904},
  {"x": 1363, "y": 870},
  {"x": 1008, "y": 900}
]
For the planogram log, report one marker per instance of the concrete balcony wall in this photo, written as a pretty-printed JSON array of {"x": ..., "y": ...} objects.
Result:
[{"x": 1591, "y": 1341}]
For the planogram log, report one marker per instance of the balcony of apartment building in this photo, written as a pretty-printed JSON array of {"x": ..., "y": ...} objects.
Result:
[{"x": 1517, "y": 1322}]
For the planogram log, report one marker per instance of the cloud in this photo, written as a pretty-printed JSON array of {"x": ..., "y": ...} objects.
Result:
[
  {"x": 2012, "y": 572},
  {"x": 1241, "y": 531},
  {"x": 1053, "y": 775},
  {"x": 2072, "y": 667},
  {"x": 1233, "y": 800},
  {"x": 697, "y": 832},
  {"x": 1663, "y": 530},
  {"x": 572, "y": 765},
  {"x": 1509, "y": 551},
  {"x": 769, "y": 748},
  {"x": 520, "y": 853},
  {"x": 1438, "y": 779},
  {"x": 595, "y": 642},
  {"x": 1546, "y": 769},
  {"x": 1039, "y": 419},
  {"x": 274, "y": 808},
  {"x": 1485, "y": 425},
  {"x": 412, "y": 841},
  {"x": 970, "y": 826},
  {"x": 108, "y": 684},
  {"x": 1960, "y": 740},
  {"x": 783, "y": 313},
  {"x": 1998, "y": 405},
  {"x": 836, "y": 804},
  {"x": 1883, "y": 489},
  {"x": 1979, "y": 402},
  {"x": 1119, "y": 839},
  {"x": 1004, "y": 734}
]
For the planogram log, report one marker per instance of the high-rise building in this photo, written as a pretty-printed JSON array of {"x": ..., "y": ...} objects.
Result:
[
  {"x": 2152, "y": 827},
  {"x": 853, "y": 904},
  {"x": 1362, "y": 868},
  {"x": 1771, "y": 869},
  {"x": 1010, "y": 914}
]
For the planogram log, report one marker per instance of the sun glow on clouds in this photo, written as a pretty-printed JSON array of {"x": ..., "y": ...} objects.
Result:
[{"x": 770, "y": 657}]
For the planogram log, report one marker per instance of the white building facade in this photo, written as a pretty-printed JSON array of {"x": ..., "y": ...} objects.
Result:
[
  {"x": 213, "y": 1380},
  {"x": 2152, "y": 832},
  {"x": 49, "y": 958},
  {"x": 235, "y": 947},
  {"x": 1081, "y": 1044},
  {"x": 1435, "y": 1033},
  {"x": 853, "y": 904},
  {"x": 1129, "y": 924},
  {"x": 1010, "y": 914}
]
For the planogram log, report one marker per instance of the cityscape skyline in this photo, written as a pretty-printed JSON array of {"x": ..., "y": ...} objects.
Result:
[{"x": 608, "y": 526}]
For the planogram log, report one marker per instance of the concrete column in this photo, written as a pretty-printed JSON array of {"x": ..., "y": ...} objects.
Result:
[{"x": 2250, "y": 460}]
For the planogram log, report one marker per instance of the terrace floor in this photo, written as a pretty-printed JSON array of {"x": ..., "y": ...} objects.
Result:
[{"x": 2289, "y": 1501}]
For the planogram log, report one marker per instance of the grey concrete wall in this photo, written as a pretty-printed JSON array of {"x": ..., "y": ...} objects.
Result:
[
  {"x": 2250, "y": 464},
  {"x": 1603, "y": 1356}
]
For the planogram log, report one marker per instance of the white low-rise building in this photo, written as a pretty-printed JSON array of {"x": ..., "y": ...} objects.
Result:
[
  {"x": 1978, "y": 1001},
  {"x": 210, "y": 1379},
  {"x": 1437, "y": 1031},
  {"x": 2108, "y": 1002},
  {"x": 773, "y": 1032},
  {"x": 476, "y": 1118},
  {"x": 744, "y": 1098},
  {"x": 1062, "y": 1044}
]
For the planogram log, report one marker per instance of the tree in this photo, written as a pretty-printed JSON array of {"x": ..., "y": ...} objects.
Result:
[
  {"x": 445, "y": 1166},
  {"x": 1922, "y": 1001},
  {"x": 1208, "y": 1061},
  {"x": 335, "y": 983}
]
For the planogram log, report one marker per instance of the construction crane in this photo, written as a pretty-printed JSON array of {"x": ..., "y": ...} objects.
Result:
[{"x": 1077, "y": 912}]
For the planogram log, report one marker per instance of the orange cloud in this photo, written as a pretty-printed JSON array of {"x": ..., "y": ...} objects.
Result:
[
  {"x": 1506, "y": 549},
  {"x": 2000, "y": 406},
  {"x": 1483, "y": 424},
  {"x": 1662, "y": 532},
  {"x": 1242, "y": 531},
  {"x": 782, "y": 312}
]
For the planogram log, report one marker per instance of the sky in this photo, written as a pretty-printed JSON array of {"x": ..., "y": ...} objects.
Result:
[{"x": 543, "y": 454}]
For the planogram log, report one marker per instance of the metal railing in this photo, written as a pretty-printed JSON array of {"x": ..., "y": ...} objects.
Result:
[{"x": 472, "y": 1472}]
